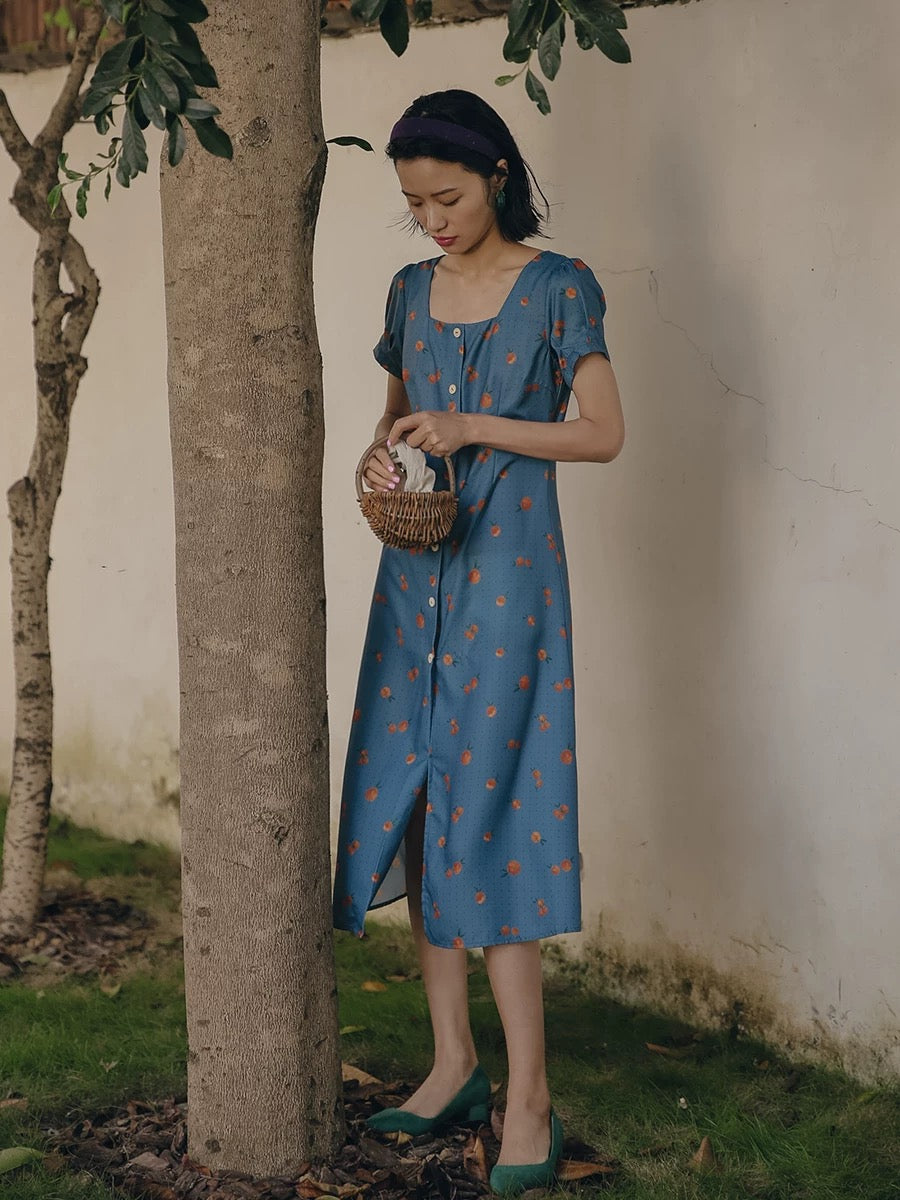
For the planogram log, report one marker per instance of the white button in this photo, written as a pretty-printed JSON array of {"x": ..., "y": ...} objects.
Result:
[
  {"x": 431, "y": 601},
  {"x": 452, "y": 389},
  {"x": 431, "y": 656},
  {"x": 457, "y": 331},
  {"x": 434, "y": 545}
]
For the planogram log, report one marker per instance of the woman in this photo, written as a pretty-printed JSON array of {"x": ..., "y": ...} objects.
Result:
[{"x": 460, "y": 780}]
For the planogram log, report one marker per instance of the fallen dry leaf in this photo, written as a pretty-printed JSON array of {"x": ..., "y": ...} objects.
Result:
[
  {"x": 15, "y": 1102},
  {"x": 704, "y": 1159},
  {"x": 348, "y": 1071},
  {"x": 374, "y": 985},
  {"x": 475, "y": 1159},
  {"x": 569, "y": 1168},
  {"x": 398, "y": 978},
  {"x": 668, "y": 1051}
]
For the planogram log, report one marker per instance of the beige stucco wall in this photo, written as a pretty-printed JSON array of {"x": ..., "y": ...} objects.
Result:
[{"x": 736, "y": 572}]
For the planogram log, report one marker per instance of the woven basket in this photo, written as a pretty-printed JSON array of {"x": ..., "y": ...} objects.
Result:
[{"x": 405, "y": 519}]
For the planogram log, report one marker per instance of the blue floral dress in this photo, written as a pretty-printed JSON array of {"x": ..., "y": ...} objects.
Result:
[{"x": 466, "y": 687}]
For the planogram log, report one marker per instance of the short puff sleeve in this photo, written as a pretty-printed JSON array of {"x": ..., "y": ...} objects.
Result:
[
  {"x": 577, "y": 309},
  {"x": 388, "y": 350}
]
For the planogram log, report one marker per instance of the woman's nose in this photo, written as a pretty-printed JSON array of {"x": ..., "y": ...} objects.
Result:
[{"x": 435, "y": 221}]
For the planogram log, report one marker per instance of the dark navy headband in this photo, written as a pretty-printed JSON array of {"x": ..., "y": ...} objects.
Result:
[{"x": 445, "y": 131}]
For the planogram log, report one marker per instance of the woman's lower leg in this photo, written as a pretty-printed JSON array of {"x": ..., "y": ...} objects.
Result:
[
  {"x": 444, "y": 973},
  {"x": 514, "y": 970}
]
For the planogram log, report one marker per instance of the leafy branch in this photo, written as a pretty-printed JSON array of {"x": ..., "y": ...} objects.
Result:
[{"x": 152, "y": 76}]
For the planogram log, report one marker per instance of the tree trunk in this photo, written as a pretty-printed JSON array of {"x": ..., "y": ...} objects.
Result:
[
  {"x": 61, "y": 324},
  {"x": 245, "y": 394}
]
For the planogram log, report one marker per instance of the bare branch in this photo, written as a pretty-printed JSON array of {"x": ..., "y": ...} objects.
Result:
[
  {"x": 67, "y": 109},
  {"x": 17, "y": 144},
  {"x": 85, "y": 296}
]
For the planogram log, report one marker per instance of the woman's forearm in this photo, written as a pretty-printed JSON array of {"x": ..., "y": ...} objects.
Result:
[{"x": 577, "y": 440}]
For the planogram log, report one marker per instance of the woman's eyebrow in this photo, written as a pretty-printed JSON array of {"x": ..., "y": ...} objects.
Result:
[{"x": 442, "y": 192}]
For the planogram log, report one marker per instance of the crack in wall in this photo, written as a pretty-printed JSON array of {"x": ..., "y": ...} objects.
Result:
[{"x": 653, "y": 285}]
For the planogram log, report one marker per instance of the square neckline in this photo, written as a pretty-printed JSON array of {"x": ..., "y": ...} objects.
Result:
[{"x": 509, "y": 295}]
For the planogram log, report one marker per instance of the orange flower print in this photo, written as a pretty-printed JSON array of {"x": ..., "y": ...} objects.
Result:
[
  {"x": 363, "y": 758},
  {"x": 480, "y": 897},
  {"x": 466, "y": 757},
  {"x": 511, "y": 357},
  {"x": 371, "y": 794},
  {"x": 474, "y": 575},
  {"x": 542, "y": 908},
  {"x": 525, "y": 503},
  {"x": 512, "y": 868},
  {"x": 454, "y": 726},
  {"x": 566, "y": 755},
  {"x": 543, "y": 722},
  {"x": 495, "y": 531},
  {"x": 471, "y": 374},
  {"x": 571, "y": 293},
  {"x": 457, "y": 813},
  {"x": 388, "y": 826},
  {"x": 491, "y": 710},
  {"x": 486, "y": 400},
  {"x": 523, "y": 685},
  {"x": 566, "y": 865}
]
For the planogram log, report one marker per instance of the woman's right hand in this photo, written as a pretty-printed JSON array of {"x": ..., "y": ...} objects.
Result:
[{"x": 380, "y": 471}]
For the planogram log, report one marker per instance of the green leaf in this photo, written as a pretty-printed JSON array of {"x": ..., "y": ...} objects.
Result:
[
  {"x": 180, "y": 74},
  {"x": 524, "y": 22},
  {"x": 134, "y": 146},
  {"x": 151, "y": 109},
  {"x": 536, "y": 91},
  {"x": 613, "y": 46},
  {"x": 177, "y": 142},
  {"x": 156, "y": 29},
  {"x": 95, "y": 101},
  {"x": 160, "y": 6},
  {"x": 62, "y": 19},
  {"x": 113, "y": 68},
  {"x": 102, "y": 122},
  {"x": 367, "y": 10},
  {"x": 193, "y": 11},
  {"x": 161, "y": 86},
  {"x": 67, "y": 171},
  {"x": 123, "y": 175},
  {"x": 199, "y": 110},
  {"x": 550, "y": 48},
  {"x": 14, "y": 1157},
  {"x": 503, "y": 80},
  {"x": 108, "y": 187},
  {"x": 394, "y": 22},
  {"x": 81, "y": 197},
  {"x": 213, "y": 139},
  {"x": 351, "y": 141},
  {"x": 54, "y": 196}
]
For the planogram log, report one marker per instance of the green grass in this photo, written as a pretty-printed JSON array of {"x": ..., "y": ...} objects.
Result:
[{"x": 780, "y": 1132}]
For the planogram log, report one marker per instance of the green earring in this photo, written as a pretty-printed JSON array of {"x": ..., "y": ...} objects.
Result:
[{"x": 501, "y": 199}]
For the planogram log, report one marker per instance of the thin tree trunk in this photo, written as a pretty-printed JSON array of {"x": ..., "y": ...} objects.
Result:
[
  {"x": 264, "y": 1087},
  {"x": 61, "y": 323}
]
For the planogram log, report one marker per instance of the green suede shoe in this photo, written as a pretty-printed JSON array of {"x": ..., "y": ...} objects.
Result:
[
  {"x": 507, "y": 1180},
  {"x": 469, "y": 1104}
]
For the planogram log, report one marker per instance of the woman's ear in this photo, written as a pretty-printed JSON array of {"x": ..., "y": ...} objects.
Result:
[{"x": 500, "y": 176}]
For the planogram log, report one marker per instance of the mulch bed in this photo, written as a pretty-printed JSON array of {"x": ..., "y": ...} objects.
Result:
[
  {"x": 142, "y": 1149},
  {"x": 77, "y": 933}
]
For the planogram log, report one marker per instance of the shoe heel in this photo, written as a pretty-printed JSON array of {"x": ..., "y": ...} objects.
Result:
[{"x": 478, "y": 1112}]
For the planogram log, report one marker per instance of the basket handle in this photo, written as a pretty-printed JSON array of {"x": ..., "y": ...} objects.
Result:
[{"x": 451, "y": 478}]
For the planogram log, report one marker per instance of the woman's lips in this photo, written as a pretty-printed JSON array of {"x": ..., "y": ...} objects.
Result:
[{"x": 445, "y": 241}]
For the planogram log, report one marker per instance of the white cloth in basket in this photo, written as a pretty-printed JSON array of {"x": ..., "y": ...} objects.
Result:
[{"x": 419, "y": 476}]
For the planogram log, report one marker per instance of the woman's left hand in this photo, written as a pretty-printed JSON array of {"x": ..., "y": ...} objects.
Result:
[{"x": 433, "y": 431}]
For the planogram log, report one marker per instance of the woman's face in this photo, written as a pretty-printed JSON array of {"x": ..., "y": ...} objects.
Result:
[{"x": 449, "y": 202}]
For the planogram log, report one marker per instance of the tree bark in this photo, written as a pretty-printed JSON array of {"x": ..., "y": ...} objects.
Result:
[
  {"x": 61, "y": 323},
  {"x": 247, "y": 430}
]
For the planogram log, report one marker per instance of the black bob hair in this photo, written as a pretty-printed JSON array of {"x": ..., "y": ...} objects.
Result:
[{"x": 518, "y": 218}]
